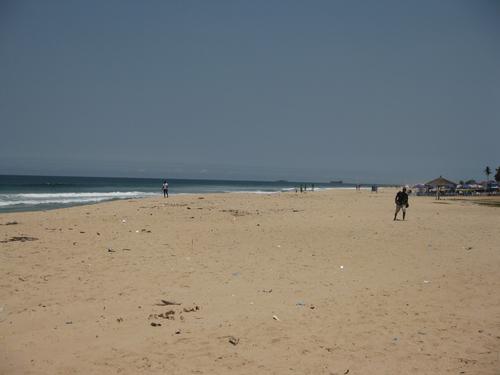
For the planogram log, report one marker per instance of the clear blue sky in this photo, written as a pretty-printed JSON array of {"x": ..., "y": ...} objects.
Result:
[{"x": 387, "y": 91}]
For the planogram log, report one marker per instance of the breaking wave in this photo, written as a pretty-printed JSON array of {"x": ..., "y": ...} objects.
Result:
[{"x": 35, "y": 199}]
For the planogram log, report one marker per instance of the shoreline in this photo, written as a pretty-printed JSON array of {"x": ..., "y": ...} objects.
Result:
[
  {"x": 473, "y": 199},
  {"x": 34, "y": 208}
]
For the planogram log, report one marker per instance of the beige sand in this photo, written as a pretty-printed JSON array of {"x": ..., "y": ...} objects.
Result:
[{"x": 354, "y": 292}]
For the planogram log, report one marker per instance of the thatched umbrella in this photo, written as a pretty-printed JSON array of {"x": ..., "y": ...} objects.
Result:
[{"x": 441, "y": 182}]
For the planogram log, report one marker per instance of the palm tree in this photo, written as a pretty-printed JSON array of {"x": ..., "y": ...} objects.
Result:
[{"x": 487, "y": 172}]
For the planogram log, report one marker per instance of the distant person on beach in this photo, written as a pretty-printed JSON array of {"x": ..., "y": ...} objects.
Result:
[
  {"x": 401, "y": 203},
  {"x": 312, "y": 187},
  {"x": 301, "y": 188},
  {"x": 165, "y": 189}
]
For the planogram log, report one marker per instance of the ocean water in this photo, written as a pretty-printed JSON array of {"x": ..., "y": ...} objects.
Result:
[{"x": 31, "y": 193}]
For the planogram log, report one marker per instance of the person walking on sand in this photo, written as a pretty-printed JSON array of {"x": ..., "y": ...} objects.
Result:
[
  {"x": 165, "y": 188},
  {"x": 401, "y": 203}
]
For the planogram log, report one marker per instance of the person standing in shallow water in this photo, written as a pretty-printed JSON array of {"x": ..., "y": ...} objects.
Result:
[
  {"x": 401, "y": 201},
  {"x": 165, "y": 188}
]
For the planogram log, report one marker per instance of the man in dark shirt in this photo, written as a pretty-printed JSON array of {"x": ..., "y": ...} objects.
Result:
[{"x": 401, "y": 203}]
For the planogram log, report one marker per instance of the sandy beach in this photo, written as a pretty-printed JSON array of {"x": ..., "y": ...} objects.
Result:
[{"x": 314, "y": 283}]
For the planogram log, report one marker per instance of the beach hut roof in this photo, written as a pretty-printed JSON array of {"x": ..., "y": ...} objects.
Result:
[{"x": 441, "y": 181}]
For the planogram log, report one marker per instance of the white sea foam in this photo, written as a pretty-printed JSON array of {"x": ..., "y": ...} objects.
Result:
[
  {"x": 35, "y": 199},
  {"x": 251, "y": 192},
  {"x": 113, "y": 194}
]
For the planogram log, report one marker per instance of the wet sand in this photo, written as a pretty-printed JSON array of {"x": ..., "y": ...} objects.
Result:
[{"x": 314, "y": 283}]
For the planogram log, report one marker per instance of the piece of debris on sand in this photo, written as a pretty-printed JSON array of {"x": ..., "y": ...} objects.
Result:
[
  {"x": 10, "y": 223},
  {"x": 167, "y": 303},
  {"x": 191, "y": 309},
  {"x": 20, "y": 239},
  {"x": 165, "y": 315}
]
